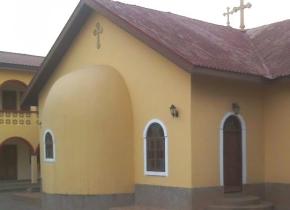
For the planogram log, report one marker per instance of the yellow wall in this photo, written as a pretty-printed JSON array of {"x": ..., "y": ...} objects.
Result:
[
  {"x": 211, "y": 100},
  {"x": 154, "y": 84},
  {"x": 23, "y": 76},
  {"x": 93, "y": 135},
  {"x": 277, "y": 132},
  {"x": 29, "y": 132}
]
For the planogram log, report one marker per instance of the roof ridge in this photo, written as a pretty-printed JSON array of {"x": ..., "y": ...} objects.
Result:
[
  {"x": 268, "y": 72},
  {"x": 169, "y": 13},
  {"x": 190, "y": 18},
  {"x": 268, "y": 25}
]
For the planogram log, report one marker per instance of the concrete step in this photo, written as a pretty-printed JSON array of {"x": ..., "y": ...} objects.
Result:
[
  {"x": 6, "y": 186},
  {"x": 239, "y": 200},
  {"x": 136, "y": 208},
  {"x": 261, "y": 206}
]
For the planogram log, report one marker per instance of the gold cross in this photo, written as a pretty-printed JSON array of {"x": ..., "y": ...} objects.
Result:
[
  {"x": 242, "y": 8},
  {"x": 228, "y": 13},
  {"x": 97, "y": 32}
]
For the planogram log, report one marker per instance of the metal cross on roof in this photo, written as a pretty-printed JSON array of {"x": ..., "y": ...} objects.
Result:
[{"x": 242, "y": 8}]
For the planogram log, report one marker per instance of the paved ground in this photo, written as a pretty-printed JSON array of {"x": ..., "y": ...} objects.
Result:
[{"x": 19, "y": 201}]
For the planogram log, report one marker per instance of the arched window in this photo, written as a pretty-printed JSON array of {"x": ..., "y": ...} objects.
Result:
[
  {"x": 49, "y": 146},
  {"x": 11, "y": 92},
  {"x": 155, "y": 149}
]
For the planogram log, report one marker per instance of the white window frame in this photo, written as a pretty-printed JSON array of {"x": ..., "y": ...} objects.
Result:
[
  {"x": 53, "y": 146},
  {"x": 155, "y": 173},
  {"x": 244, "y": 147}
]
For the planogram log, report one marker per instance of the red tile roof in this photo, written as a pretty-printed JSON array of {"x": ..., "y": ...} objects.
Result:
[
  {"x": 20, "y": 61},
  {"x": 272, "y": 44},
  {"x": 202, "y": 44},
  {"x": 191, "y": 44},
  {"x": 262, "y": 51}
]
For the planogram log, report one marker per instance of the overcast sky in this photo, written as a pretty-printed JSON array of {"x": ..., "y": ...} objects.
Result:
[{"x": 31, "y": 26}]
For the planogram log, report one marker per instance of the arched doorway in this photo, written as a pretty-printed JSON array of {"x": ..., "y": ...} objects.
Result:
[
  {"x": 15, "y": 154},
  {"x": 232, "y": 154}
]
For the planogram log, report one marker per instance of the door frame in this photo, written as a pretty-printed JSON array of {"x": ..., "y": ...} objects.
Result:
[{"x": 244, "y": 147}]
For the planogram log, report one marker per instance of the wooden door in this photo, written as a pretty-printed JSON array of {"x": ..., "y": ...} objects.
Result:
[
  {"x": 232, "y": 155},
  {"x": 8, "y": 162}
]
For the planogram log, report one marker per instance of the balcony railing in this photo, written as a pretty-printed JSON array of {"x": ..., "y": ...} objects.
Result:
[{"x": 19, "y": 118}]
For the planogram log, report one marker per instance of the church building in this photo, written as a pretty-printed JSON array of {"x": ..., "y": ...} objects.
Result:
[{"x": 139, "y": 107}]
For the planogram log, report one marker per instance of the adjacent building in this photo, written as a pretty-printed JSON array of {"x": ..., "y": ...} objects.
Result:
[{"x": 19, "y": 132}]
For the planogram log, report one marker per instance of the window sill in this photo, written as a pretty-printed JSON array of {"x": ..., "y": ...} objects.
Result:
[
  {"x": 49, "y": 160},
  {"x": 154, "y": 173}
]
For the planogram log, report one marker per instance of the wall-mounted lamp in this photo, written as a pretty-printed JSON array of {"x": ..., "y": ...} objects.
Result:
[
  {"x": 174, "y": 111},
  {"x": 236, "y": 108}
]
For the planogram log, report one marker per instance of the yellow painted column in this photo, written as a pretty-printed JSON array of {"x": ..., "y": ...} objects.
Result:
[{"x": 34, "y": 173}]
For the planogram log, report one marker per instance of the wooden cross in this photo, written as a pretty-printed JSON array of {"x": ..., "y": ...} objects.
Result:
[
  {"x": 242, "y": 8},
  {"x": 97, "y": 32},
  {"x": 228, "y": 13}
]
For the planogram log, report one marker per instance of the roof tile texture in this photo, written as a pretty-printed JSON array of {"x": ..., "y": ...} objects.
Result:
[{"x": 262, "y": 51}]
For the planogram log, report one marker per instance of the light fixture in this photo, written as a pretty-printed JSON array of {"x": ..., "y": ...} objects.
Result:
[
  {"x": 174, "y": 111},
  {"x": 236, "y": 108}
]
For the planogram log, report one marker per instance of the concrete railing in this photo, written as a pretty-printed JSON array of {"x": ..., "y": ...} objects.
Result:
[{"x": 18, "y": 118}]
